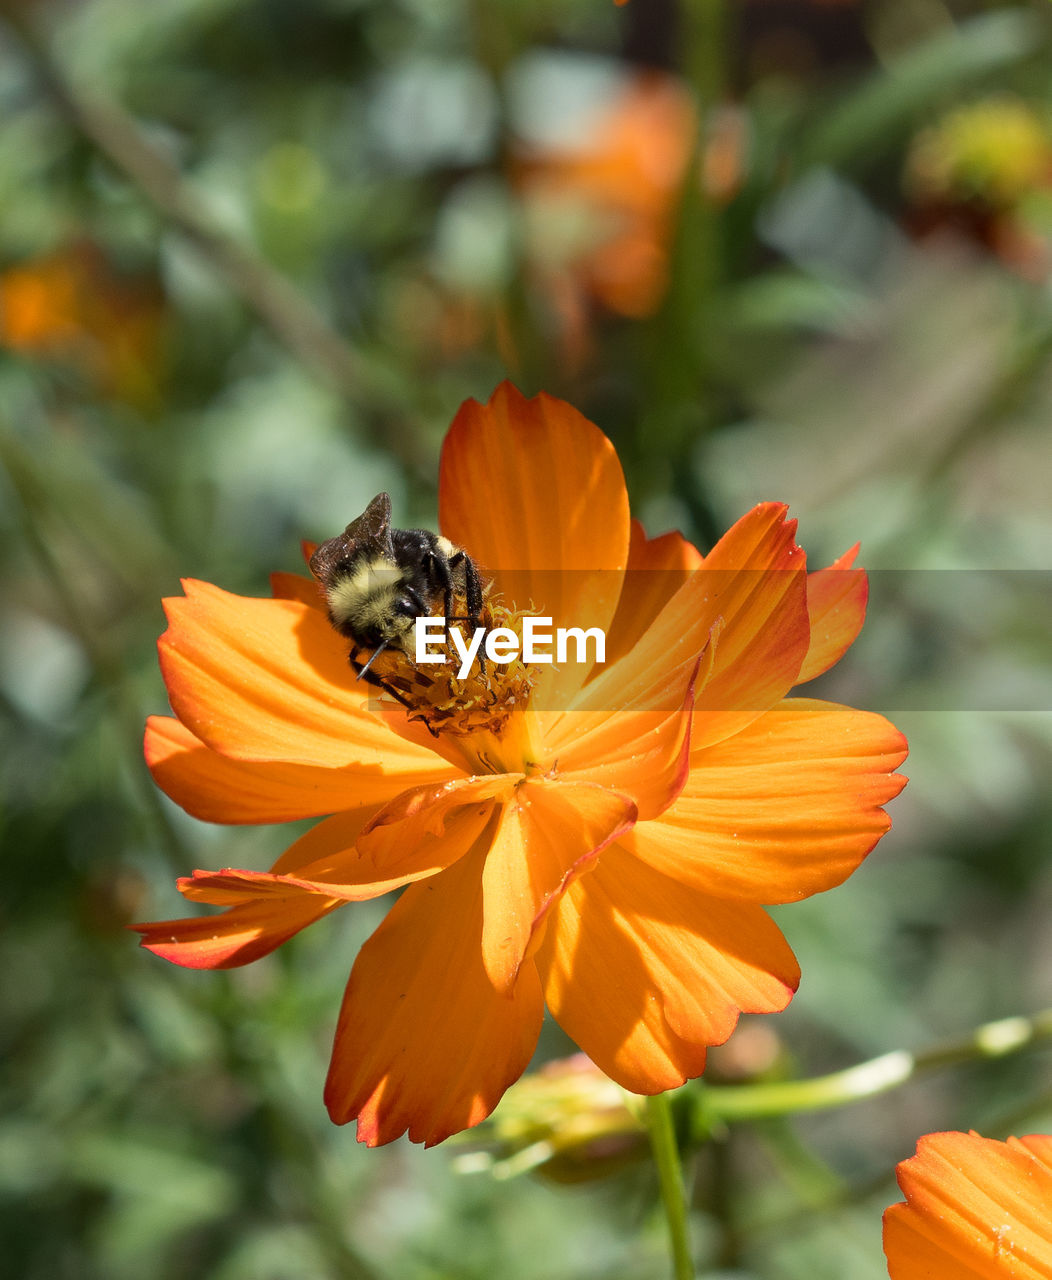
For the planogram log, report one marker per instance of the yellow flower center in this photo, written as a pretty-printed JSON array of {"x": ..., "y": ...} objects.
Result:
[{"x": 485, "y": 711}]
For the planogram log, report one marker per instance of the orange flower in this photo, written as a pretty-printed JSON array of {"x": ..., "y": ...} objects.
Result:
[
  {"x": 598, "y": 839},
  {"x": 619, "y": 187},
  {"x": 975, "y": 1209},
  {"x": 72, "y": 306},
  {"x": 39, "y": 305}
]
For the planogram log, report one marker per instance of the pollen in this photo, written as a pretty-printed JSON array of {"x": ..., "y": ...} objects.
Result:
[{"x": 482, "y": 703}]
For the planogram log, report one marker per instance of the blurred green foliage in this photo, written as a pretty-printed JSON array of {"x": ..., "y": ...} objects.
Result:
[{"x": 249, "y": 295}]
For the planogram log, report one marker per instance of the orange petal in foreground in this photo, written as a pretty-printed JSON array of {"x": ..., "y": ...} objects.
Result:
[
  {"x": 643, "y": 974},
  {"x": 975, "y": 1209},
  {"x": 425, "y": 1042},
  {"x": 786, "y": 808}
]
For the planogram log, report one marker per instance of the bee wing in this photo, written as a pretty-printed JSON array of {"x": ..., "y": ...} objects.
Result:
[{"x": 370, "y": 531}]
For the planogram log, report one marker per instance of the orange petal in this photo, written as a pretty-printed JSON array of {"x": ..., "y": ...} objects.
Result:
[
  {"x": 975, "y": 1208},
  {"x": 319, "y": 871},
  {"x": 233, "y": 885},
  {"x": 756, "y": 583},
  {"x": 535, "y": 492},
  {"x": 235, "y": 937},
  {"x": 425, "y": 1043},
  {"x": 217, "y": 788},
  {"x": 549, "y": 833},
  {"x": 643, "y": 973},
  {"x": 329, "y": 859},
  {"x": 748, "y": 605},
  {"x": 328, "y": 843},
  {"x": 336, "y": 859},
  {"x": 653, "y": 676},
  {"x": 293, "y": 586},
  {"x": 265, "y": 909},
  {"x": 836, "y": 605},
  {"x": 644, "y": 754},
  {"x": 418, "y": 819},
  {"x": 786, "y": 808},
  {"x": 657, "y": 568},
  {"x": 268, "y": 680}
]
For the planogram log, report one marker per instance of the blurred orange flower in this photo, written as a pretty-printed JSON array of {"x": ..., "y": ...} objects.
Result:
[
  {"x": 614, "y": 196},
  {"x": 72, "y": 306},
  {"x": 975, "y": 1209},
  {"x": 600, "y": 839}
]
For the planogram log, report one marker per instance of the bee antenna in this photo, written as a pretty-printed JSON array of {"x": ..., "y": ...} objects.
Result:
[{"x": 375, "y": 655}]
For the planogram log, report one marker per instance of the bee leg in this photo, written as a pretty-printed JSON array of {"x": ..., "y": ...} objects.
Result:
[
  {"x": 472, "y": 595},
  {"x": 364, "y": 671},
  {"x": 378, "y": 682},
  {"x": 416, "y": 600},
  {"x": 439, "y": 571},
  {"x": 472, "y": 591}
]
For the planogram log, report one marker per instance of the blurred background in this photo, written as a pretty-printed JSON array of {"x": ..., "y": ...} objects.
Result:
[{"x": 253, "y": 255}]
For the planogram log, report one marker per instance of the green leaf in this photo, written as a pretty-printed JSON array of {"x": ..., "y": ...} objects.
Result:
[{"x": 870, "y": 121}]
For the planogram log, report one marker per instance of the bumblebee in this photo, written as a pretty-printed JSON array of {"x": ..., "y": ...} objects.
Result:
[{"x": 378, "y": 581}]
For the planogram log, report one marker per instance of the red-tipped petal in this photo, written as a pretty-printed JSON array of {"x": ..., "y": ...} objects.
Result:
[
  {"x": 336, "y": 858},
  {"x": 237, "y": 936},
  {"x": 756, "y": 583},
  {"x": 657, "y": 568},
  {"x": 836, "y": 605}
]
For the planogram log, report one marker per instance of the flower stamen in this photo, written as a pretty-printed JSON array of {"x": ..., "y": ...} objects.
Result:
[{"x": 483, "y": 703}]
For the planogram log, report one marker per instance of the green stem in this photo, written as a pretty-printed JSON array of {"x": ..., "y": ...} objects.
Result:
[
  {"x": 719, "y": 1104},
  {"x": 670, "y": 1177},
  {"x": 706, "y": 40}
]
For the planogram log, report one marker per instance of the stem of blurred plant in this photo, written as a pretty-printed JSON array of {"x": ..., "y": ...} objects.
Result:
[
  {"x": 695, "y": 267},
  {"x": 670, "y": 1177},
  {"x": 706, "y": 45},
  {"x": 715, "y": 1105},
  {"x": 291, "y": 316},
  {"x": 679, "y": 404}
]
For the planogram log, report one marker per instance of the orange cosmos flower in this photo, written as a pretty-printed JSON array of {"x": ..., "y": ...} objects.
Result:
[
  {"x": 976, "y": 1209},
  {"x": 597, "y": 839}
]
